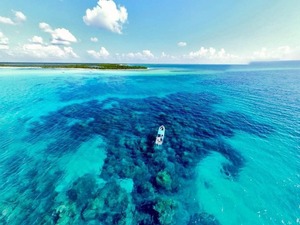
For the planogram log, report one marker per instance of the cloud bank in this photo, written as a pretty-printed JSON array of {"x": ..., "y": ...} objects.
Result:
[
  {"x": 106, "y": 15},
  {"x": 36, "y": 49},
  {"x": 143, "y": 56},
  {"x": 204, "y": 55},
  {"x": 48, "y": 52},
  {"x": 211, "y": 55},
  {"x": 280, "y": 53}
]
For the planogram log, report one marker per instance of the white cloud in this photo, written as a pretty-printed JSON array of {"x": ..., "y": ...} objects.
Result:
[
  {"x": 69, "y": 52},
  {"x": 145, "y": 54},
  {"x": 3, "y": 41},
  {"x": 106, "y": 15},
  {"x": 94, "y": 39},
  {"x": 38, "y": 50},
  {"x": 60, "y": 36},
  {"x": 163, "y": 54},
  {"x": 45, "y": 27},
  {"x": 212, "y": 55},
  {"x": 19, "y": 18},
  {"x": 6, "y": 20},
  {"x": 280, "y": 53},
  {"x": 3, "y": 47},
  {"x": 167, "y": 58},
  {"x": 182, "y": 44},
  {"x": 48, "y": 52},
  {"x": 36, "y": 40},
  {"x": 103, "y": 53}
]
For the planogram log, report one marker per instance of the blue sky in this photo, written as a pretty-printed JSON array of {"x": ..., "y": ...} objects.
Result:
[{"x": 193, "y": 31}]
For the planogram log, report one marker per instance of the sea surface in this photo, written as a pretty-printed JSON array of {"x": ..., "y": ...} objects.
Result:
[{"x": 77, "y": 146}]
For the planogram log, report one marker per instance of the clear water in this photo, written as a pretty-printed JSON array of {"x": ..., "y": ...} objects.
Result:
[{"x": 77, "y": 145}]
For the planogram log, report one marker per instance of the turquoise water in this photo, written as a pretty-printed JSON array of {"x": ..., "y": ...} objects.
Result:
[{"x": 77, "y": 146}]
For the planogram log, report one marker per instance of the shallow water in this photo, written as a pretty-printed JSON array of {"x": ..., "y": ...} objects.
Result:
[{"x": 77, "y": 145}]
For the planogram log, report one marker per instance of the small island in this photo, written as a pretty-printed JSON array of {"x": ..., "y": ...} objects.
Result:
[{"x": 96, "y": 66}]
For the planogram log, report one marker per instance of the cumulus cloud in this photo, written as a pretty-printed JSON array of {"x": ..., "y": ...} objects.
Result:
[
  {"x": 36, "y": 49},
  {"x": 94, "y": 39},
  {"x": 19, "y": 18},
  {"x": 145, "y": 54},
  {"x": 48, "y": 52},
  {"x": 6, "y": 20},
  {"x": 36, "y": 40},
  {"x": 60, "y": 36},
  {"x": 212, "y": 55},
  {"x": 181, "y": 44},
  {"x": 106, "y": 15},
  {"x": 45, "y": 27},
  {"x": 3, "y": 41},
  {"x": 102, "y": 53}
]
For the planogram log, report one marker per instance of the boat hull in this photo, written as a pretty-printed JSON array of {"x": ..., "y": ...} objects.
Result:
[{"x": 160, "y": 135}]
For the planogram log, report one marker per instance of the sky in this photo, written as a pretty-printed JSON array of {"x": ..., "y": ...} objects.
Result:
[{"x": 149, "y": 31}]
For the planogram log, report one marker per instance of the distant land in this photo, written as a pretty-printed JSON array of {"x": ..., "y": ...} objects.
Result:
[
  {"x": 277, "y": 63},
  {"x": 120, "y": 66},
  {"x": 96, "y": 66}
]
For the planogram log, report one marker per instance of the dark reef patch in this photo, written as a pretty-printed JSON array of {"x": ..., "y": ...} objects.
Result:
[{"x": 160, "y": 174}]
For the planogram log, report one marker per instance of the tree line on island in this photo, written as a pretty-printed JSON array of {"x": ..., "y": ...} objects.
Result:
[{"x": 100, "y": 66}]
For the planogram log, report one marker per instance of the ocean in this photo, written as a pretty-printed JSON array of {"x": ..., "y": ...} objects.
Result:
[{"x": 77, "y": 146}]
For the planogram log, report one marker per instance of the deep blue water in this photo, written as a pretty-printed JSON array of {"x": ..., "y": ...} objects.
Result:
[{"x": 77, "y": 146}]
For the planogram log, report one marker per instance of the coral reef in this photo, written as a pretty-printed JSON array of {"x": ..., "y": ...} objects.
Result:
[
  {"x": 159, "y": 174},
  {"x": 163, "y": 179},
  {"x": 110, "y": 205},
  {"x": 166, "y": 211}
]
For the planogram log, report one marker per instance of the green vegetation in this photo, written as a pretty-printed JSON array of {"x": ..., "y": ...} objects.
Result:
[{"x": 101, "y": 66}]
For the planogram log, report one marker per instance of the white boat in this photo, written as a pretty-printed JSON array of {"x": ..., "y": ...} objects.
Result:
[{"x": 160, "y": 135}]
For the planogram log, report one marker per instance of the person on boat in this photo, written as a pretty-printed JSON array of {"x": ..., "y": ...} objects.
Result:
[{"x": 158, "y": 139}]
